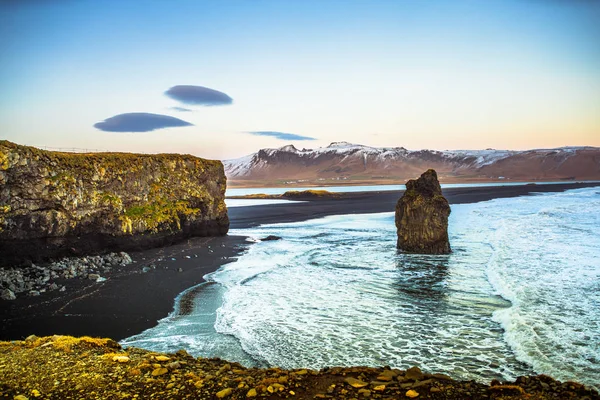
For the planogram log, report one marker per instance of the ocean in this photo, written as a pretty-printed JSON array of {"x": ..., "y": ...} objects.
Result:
[{"x": 520, "y": 294}]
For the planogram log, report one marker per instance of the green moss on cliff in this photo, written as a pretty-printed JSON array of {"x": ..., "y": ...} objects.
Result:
[
  {"x": 125, "y": 162},
  {"x": 152, "y": 215},
  {"x": 3, "y": 160},
  {"x": 109, "y": 199},
  {"x": 411, "y": 193}
]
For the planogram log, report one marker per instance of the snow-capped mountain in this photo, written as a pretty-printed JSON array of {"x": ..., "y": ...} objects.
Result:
[{"x": 343, "y": 160}]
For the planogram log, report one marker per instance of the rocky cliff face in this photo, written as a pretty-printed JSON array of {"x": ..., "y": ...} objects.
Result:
[
  {"x": 422, "y": 217},
  {"x": 55, "y": 204}
]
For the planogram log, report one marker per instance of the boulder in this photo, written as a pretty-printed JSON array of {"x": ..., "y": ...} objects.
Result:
[
  {"x": 7, "y": 294},
  {"x": 422, "y": 217},
  {"x": 270, "y": 238}
]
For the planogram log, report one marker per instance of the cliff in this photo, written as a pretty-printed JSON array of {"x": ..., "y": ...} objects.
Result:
[
  {"x": 422, "y": 216},
  {"x": 55, "y": 204},
  {"x": 63, "y": 367}
]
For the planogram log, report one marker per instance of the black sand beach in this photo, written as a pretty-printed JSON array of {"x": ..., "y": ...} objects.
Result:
[
  {"x": 377, "y": 202},
  {"x": 131, "y": 301}
]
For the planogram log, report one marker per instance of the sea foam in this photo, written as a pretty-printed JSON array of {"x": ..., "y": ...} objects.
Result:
[{"x": 518, "y": 295}]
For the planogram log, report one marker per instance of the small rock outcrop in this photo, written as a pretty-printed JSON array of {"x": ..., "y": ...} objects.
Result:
[
  {"x": 55, "y": 204},
  {"x": 422, "y": 216}
]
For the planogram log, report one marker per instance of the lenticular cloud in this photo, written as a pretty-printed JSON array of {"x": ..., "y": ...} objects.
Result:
[
  {"x": 139, "y": 122},
  {"x": 198, "y": 96}
]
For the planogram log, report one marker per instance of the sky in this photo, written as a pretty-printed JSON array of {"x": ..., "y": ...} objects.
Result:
[{"x": 222, "y": 79}]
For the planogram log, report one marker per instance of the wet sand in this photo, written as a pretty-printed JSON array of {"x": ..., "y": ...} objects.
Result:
[{"x": 131, "y": 301}]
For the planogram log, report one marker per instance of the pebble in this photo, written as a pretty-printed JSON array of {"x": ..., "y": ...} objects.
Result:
[
  {"x": 224, "y": 393},
  {"x": 414, "y": 373},
  {"x": 174, "y": 365},
  {"x": 159, "y": 371},
  {"x": 356, "y": 383},
  {"x": 412, "y": 394},
  {"x": 7, "y": 294},
  {"x": 422, "y": 383},
  {"x": 387, "y": 375}
]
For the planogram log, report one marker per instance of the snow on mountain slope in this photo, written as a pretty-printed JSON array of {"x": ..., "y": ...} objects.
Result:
[{"x": 343, "y": 159}]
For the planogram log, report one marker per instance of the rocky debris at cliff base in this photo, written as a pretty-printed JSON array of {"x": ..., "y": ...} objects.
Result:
[
  {"x": 89, "y": 368},
  {"x": 37, "y": 279}
]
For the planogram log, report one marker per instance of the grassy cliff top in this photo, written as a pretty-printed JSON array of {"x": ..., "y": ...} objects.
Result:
[
  {"x": 64, "y": 367},
  {"x": 86, "y": 159}
]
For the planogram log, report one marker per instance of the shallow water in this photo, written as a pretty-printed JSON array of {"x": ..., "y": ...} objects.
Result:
[
  {"x": 233, "y": 191},
  {"x": 519, "y": 294},
  {"x": 256, "y": 202}
]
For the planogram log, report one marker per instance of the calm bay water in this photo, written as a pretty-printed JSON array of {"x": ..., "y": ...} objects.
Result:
[{"x": 519, "y": 294}]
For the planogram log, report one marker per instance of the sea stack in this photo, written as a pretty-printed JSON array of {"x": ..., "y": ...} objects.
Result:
[{"x": 422, "y": 216}]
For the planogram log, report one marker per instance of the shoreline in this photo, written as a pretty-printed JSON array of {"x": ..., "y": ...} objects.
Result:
[
  {"x": 131, "y": 301},
  {"x": 376, "y": 202}
]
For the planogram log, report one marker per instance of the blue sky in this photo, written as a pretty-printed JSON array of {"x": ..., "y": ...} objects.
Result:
[{"x": 419, "y": 74}]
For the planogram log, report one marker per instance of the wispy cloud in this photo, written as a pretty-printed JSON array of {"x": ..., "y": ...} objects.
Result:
[
  {"x": 182, "y": 109},
  {"x": 281, "y": 135},
  {"x": 139, "y": 122},
  {"x": 198, "y": 95}
]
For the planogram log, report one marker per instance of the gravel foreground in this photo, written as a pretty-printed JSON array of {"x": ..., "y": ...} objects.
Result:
[{"x": 65, "y": 367}]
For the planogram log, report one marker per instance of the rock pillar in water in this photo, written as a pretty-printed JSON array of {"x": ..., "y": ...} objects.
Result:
[{"x": 422, "y": 216}]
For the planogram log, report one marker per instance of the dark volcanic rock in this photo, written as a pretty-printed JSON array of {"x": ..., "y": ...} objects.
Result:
[
  {"x": 270, "y": 238},
  {"x": 55, "y": 204},
  {"x": 422, "y": 217}
]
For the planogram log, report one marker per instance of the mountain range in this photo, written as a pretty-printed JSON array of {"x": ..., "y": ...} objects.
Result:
[{"x": 354, "y": 163}]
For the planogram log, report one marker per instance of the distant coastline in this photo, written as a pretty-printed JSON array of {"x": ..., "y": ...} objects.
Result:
[{"x": 376, "y": 202}]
